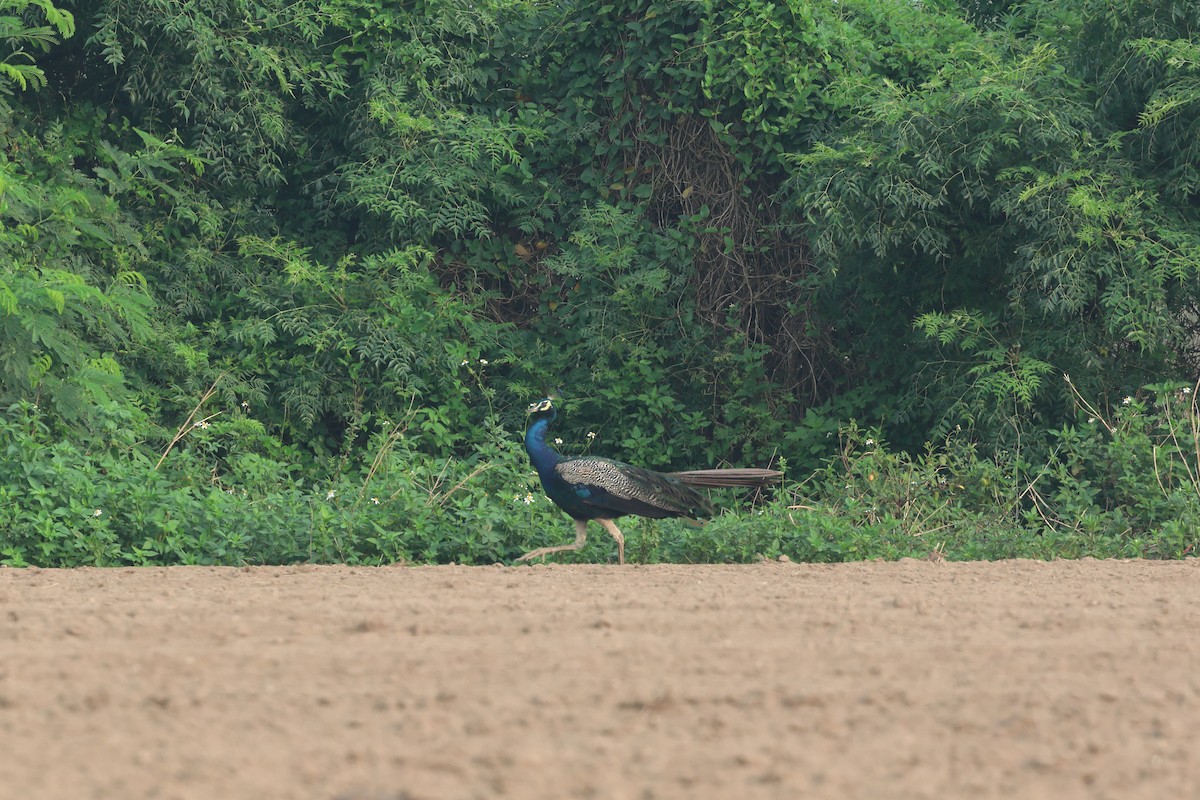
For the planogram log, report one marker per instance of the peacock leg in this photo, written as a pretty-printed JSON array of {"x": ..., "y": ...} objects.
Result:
[
  {"x": 580, "y": 538},
  {"x": 612, "y": 528}
]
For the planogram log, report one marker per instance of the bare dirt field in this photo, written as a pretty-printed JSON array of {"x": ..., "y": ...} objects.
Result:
[{"x": 915, "y": 679}]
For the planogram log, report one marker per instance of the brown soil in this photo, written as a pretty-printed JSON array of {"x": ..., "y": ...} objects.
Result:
[{"x": 1014, "y": 679}]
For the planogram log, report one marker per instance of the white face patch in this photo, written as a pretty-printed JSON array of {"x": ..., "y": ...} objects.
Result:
[{"x": 541, "y": 405}]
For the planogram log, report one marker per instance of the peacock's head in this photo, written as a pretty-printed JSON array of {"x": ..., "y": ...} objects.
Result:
[
  {"x": 542, "y": 406},
  {"x": 543, "y": 409}
]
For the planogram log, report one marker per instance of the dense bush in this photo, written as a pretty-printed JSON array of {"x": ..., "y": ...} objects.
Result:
[{"x": 262, "y": 265}]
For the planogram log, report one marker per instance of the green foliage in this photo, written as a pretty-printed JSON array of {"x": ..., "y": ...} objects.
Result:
[
  {"x": 1125, "y": 486},
  {"x": 21, "y": 42},
  {"x": 358, "y": 339},
  {"x": 1130, "y": 472},
  {"x": 71, "y": 296},
  {"x": 223, "y": 499},
  {"x": 992, "y": 191},
  {"x": 1000, "y": 382},
  {"x": 432, "y": 161},
  {"x": 263, "y": 265},
  {"x": 228, "y": 73}
]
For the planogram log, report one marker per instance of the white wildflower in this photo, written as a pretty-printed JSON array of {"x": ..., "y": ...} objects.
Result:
[
  {"x": 245, "y": 405},
  {"x": 464, "y": 363},
  {"x": 331, "y": 494},
  {"x": 529, "y": 499},
  {"x": 1186, "y": 390},
  {"x": 591, "y": 434},
  {"x": 1091, "y": 420},
  {"x": 98, "y": 513},
  {"x": 557, "y": 441},
  {"x": 375, "y": 500},
  {"x": 870, "y": 442},
  {"x": 483, "y": 361},
  {"x": 1127, "y": 401}
]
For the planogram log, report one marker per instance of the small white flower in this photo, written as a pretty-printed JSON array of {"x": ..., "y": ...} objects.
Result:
[
  {"x": 375, "y": 500},
  {"x": 245, "y": 405},
  {"x": 591, "y": 435},
  {"x": 529, "y": 499},
  {"x": 331, "y": 494},
  {"x": 464, "y": 363},
  {"x": 1186, "y": 390},
  {"x": 1091, "y": 420},
  {"x": 870, "y": 442},
  {"x": 1127, "y": 401},
  {"x": 98, "y": 513},
  {"x": 483, "y": 361},
  {"x": 557, "y": 440}
]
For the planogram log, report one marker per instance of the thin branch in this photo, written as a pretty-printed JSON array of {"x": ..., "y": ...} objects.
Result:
[{"x": 187, "y": 423}]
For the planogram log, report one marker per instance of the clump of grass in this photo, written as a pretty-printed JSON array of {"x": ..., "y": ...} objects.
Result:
[{"x": 1123, "y": 480}]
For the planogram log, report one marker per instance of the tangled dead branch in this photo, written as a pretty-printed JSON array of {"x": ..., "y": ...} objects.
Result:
[{"x": 750, "y": 265}]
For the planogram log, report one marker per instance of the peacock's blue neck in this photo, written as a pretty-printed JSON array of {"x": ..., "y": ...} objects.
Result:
[{"x": 541, "y": 454}]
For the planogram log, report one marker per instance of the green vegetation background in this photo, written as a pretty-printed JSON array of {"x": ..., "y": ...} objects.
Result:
[{"x": 278, "y": 280}]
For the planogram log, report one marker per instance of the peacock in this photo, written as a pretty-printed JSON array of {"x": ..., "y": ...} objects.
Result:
[{"x": 590, "y": 487}]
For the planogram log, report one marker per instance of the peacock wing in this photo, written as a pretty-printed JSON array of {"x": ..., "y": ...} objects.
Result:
[{"x": 619, "y": 488}]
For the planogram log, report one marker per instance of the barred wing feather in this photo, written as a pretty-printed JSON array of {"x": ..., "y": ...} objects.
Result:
[{"x": 625, "y": 489}]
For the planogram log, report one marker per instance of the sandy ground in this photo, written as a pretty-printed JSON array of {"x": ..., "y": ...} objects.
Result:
[{"x": 938, "y": 680}]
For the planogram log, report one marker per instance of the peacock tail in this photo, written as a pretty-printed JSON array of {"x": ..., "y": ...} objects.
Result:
[{"x": 737, "y": 476}]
